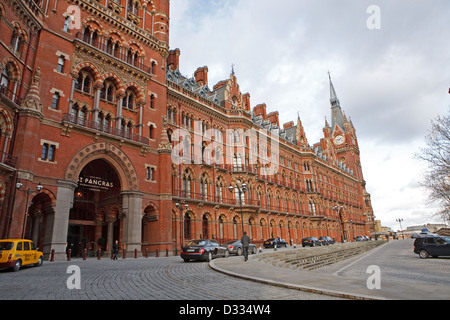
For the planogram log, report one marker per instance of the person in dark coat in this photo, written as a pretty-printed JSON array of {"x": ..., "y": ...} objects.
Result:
[
  {"x": 115, "y": 249},
  {"x": 245, "y": 240}
]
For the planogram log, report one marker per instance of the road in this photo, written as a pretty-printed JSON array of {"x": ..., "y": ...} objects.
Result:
[
  {"x": 164, "y": 278},
  {"x": 403, "y": 274}
]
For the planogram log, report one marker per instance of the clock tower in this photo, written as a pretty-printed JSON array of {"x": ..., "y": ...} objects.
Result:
[{"x": 343, "y": 136}]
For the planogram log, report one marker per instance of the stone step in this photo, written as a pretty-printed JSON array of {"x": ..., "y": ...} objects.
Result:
[{"x": 309, "y": 259}]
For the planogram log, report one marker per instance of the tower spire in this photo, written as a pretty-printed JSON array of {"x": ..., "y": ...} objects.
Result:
[
  {"x": 337, "y": 118},
  {"x": 333, "y": 96}
]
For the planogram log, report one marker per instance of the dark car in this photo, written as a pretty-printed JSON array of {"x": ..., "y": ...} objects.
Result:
[
  {"x": 326, "y": 240},
  {"x": 311, "y": 241},
  {"x": 235, "y": 247},
  {"x": 433, "y": 245},
  {"x": 270, "y": 243},
  {"x": 203, "y": 250}
]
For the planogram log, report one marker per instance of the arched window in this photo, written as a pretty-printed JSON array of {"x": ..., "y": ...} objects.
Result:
[
  {"x": 5, "y": 77},
  {"x": 312, "y": 207},
  {"x": 187, "y": 226},
  {"x": 204, "y": 187},
  {"x": 205, "y": 230},
  {"x": 219, "y": 190},
  {"x": 221, "y": 227},
  {"x": 130, "y": 98},
  {"x": 186, "y": 186}
]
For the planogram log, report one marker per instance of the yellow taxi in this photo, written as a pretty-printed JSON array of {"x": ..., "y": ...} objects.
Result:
[{"x": 15, "y": 253}]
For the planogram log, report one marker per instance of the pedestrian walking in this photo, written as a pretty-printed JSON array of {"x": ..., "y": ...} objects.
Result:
[
  {"x": 245, "y": 240},
  {"x": 276, "y": 241},
  {"x": 115, "y": 249}
]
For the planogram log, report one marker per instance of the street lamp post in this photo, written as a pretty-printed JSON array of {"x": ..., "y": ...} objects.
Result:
[
  {"x": 399, "y": 220},
  {"x": 241, "y": 189},
  {"x": 19, "y": 185},
  {"x": 178, "y": 205},
  {"x": 338, "y": 210}
]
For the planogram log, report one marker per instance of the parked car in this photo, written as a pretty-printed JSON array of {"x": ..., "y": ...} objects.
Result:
[
  {"x": 359, "y": 238},
  {"x": 432, "y": 245},
  {"x": 311, "y": 241},
  {"x": 15, "y": 253},
  {"x": 203, "y": 249},
  {"x": 269, "y": 243},
  {"x": 235, "y": 247},
  {"x": 325, "y": 240}
]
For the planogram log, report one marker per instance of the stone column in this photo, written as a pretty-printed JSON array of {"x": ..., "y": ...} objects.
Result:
[
  {"x": 132, "y": 223},
  {"x": 57, "y": 223},
  {"x": 109, "y": 240}
]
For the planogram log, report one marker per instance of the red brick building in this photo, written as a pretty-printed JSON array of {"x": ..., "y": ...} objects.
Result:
[{"x": 103, "y": 139}]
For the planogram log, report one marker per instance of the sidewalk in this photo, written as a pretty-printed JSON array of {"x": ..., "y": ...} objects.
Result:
[
  {"x": 330, "y": 280},
  {"x": 310, "y": 281}
]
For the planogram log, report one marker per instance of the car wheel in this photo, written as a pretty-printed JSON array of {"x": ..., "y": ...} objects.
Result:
[
  {"x": 239, "y": 252},
  {"x": 17, "y": 266},
  {"x": 39, "y": 263},
  {"x": 423, "y": 254},
  {"x": 254, "y": 250},
  {"x": 227, "y": 253},
  {"x": 209, "y": 257}
]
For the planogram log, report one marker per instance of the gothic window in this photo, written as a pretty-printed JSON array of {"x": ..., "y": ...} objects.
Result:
[
  {"x": 84, "y": 82},
  {"x": 187, "y": 226},
  {"x": 109, "y": 46},
  {"x": 5, "y": 77},
  {"x": 312, "y": 207},
  {"x": 219, "y": 190},
  {"x": 204, "y": 187},
  {"x": 129, "y": 101},
  {"x": 87, "y": 83},
  {"x": 90, "y": 36},
  {"x": 186, "y": 186},
  {"x": 205, "y": 227},
  {"x": 82, "y": 115},
  {"x": 16, "y": 40},
  {"x": 221, "y": 227}
]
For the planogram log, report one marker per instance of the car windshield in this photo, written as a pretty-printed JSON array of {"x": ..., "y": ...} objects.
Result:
[
  {"x": 196, "y": 243},
  {"x": 230, "y": 242},
  {"x": 447, "y": 239},
  {"x": 6, "y": 245}
]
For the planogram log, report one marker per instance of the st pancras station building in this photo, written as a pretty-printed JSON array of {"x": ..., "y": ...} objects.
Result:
[{"x": 102, "y": 139}]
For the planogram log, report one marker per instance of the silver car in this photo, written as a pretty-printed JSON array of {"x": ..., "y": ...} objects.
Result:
[{"x": 235, "y": 247}]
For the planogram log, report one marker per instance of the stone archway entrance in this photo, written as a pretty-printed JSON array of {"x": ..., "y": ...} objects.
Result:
[{"x": 92, "y": 218}]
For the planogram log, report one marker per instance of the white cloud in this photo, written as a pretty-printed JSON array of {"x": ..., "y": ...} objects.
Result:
[{"x": 391, "y": 82}]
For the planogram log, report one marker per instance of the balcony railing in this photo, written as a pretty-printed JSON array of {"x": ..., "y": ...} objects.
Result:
[
  {"x": 103, "y": 128},
  {"x": 116, "y": 54},
  {"x": 8, "y": 159},
  {"x": 5, "y": 92}
]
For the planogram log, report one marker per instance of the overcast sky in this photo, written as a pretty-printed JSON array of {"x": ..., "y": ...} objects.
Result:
[{"x": 391, "y": 73}]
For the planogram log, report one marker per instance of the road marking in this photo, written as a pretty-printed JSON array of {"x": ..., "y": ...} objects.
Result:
[{"x": 357, "y": 260}]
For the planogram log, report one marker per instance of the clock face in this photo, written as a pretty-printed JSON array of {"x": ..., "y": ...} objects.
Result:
[{"x": 339, "y": 140}]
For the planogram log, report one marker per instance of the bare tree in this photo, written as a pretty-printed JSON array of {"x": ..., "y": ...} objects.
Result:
[{"x": 436, "y": 155}]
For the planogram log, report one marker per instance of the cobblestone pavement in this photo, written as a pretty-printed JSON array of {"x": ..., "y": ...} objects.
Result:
[{"x": 167, "y": 278}]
